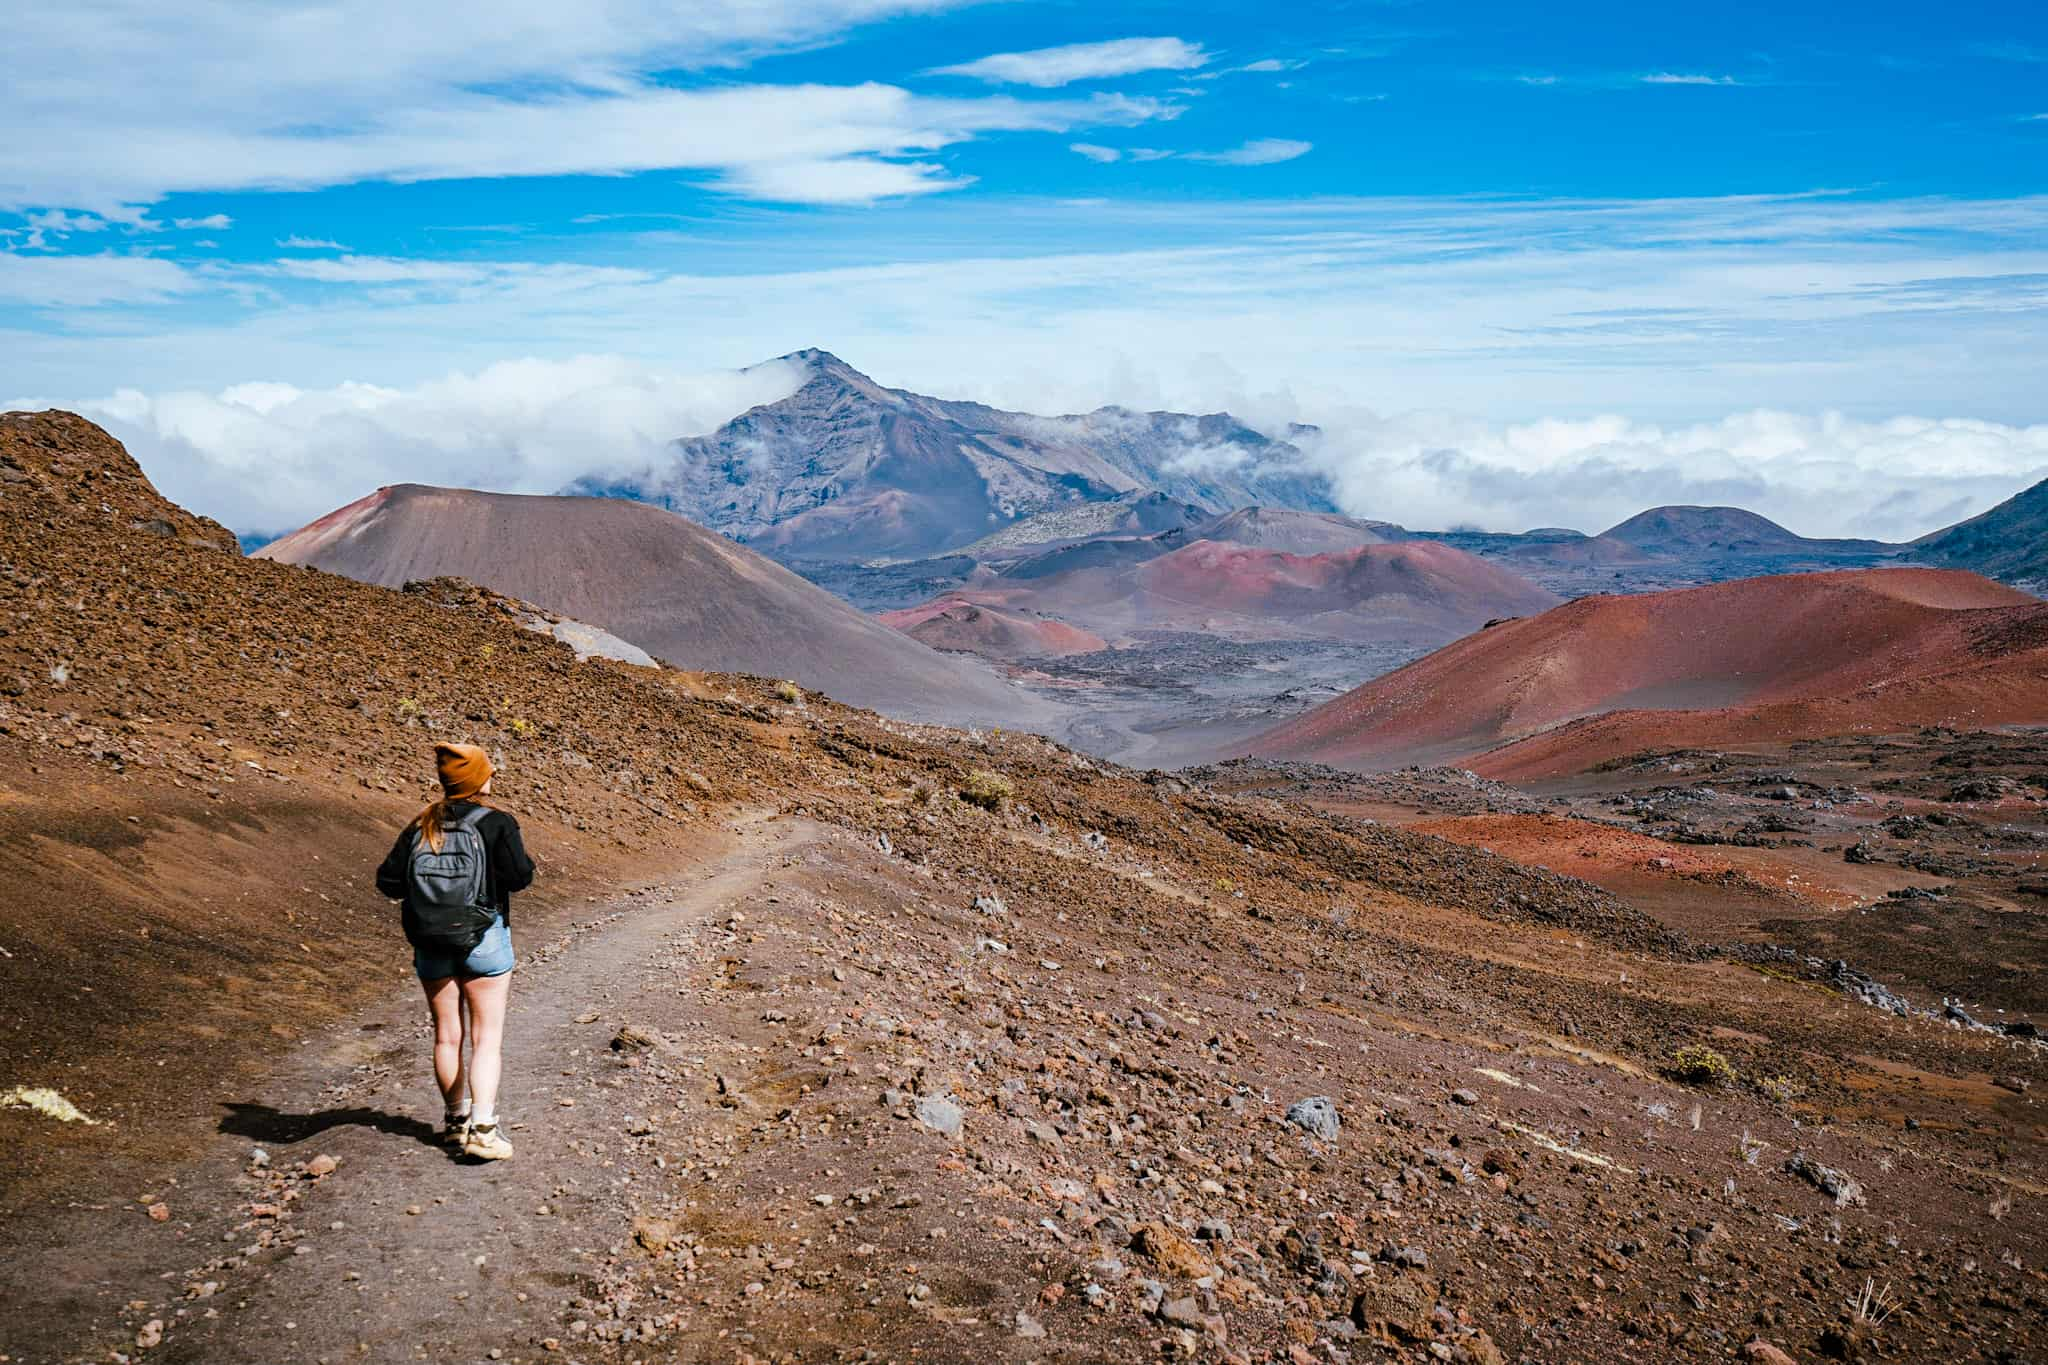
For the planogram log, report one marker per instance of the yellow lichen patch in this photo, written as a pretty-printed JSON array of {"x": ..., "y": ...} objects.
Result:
[{"x": 44, "y": 1101}]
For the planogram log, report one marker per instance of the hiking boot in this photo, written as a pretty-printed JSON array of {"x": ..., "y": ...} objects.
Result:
[
  {"x": 455, "y": 1132},
  {"x": 486, "y": 1143}
]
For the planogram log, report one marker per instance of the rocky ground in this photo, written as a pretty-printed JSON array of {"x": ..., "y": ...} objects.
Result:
[{"x": 841, "y": 1039}]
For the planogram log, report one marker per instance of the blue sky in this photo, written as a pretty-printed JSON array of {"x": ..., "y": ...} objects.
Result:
[{"x": 1772, "y": 252}]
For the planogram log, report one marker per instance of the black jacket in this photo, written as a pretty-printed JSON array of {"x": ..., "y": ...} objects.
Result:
[{"x": 506, "y": 868}]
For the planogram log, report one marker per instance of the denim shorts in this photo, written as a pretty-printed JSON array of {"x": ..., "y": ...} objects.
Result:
[{"x": 493, "y": 956}]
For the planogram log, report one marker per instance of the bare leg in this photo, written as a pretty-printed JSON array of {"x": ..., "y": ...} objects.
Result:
[
  {"x": 486, "y": 996},
  {"x": 463, "y": 1099},
  {"x": 444, "y": 1002}
]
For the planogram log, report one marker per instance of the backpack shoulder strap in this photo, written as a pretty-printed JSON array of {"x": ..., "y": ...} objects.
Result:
[{"x": 473, "y": 819}]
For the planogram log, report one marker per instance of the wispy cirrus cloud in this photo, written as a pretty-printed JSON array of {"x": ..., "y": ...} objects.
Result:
[
  {"x": 302, "y": 95},
  {"x": 1048, "y": 67},
  {"x": 298, "y": 243},
  {"x": 1685, "y": 78},
  {"x": 2008, "y": 52},
  {"x": 1265, "y": 151},
  {"x": 93, "y": 281},
  {"x": 1262, "y": 152}
]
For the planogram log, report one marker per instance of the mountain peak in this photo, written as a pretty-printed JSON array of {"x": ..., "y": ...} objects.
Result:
[
  {"x": 1699, "y": 527},
  {"x": 815, "y": 358}
]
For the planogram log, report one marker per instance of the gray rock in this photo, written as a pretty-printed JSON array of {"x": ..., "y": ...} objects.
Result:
[
  {"x": 1464, "y": 1097},
  {"x": 1407, "y": 1258},
  {"x": 1316, "y": 1116},
  {"x": 991, "y": 905},
  {"x": 1030, "y": 1327},
  {"x": 1839, "y": 1186},
  {"x": 940, "y": 1114}
]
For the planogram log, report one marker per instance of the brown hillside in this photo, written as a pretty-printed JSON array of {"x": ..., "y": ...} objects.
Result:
[
  {"x": 1764, "y": 658},
  {"x": 682, "y": 593},
  {"x": 773, "y": 951}
]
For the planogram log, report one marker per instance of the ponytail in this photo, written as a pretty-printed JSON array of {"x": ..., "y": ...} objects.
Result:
[{"x": 429, "y": 821}]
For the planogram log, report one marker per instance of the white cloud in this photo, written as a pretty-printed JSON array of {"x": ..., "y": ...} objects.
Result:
[
  {"x": 212, "y": 222},
  {"x": 846, "y": 180},
  {"x": 773, "y": 141},
  {"x": 1685, "y": 78},
  {"x": 57, "y": 222},
  {"x": 90, "y": 281},
  {"x": 270, "y": 457},
  {"x": 299, "y": 95},
  {"x": 1537, "y": 80},
  {"x": 1096, "y": 153},
  {"x": 298, "y": 243},
  {"x": 1054, "y": 66},
  {"x": 1663, "y": 312},
  {"x": 1265, "y": 151},
  {"x": 1818, "y": 474}
]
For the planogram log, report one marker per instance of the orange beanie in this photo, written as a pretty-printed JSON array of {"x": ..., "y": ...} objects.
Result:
[{"x": 464, "y": 769}]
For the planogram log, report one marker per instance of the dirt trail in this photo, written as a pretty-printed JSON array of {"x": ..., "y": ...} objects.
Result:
[{"x": 403, "y": 1252}]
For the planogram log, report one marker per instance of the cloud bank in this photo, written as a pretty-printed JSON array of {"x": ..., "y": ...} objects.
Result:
[
  {"x": 268, "y": 458},
  {"x": 1817, "y": 474}
]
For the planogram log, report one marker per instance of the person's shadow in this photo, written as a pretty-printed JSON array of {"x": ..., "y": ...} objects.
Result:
[{"x": 267, "y": 1124}]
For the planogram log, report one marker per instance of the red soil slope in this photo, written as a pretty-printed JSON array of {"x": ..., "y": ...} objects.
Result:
[
  {"x": 1416, "y": 591},
  {"x": 678, "y": 591},
  {"x": 1420, "y": 582},
  {"x": 1790, "y": 656}
]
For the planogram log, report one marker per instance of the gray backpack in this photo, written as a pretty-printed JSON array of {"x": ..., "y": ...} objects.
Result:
[{"x": 448, "y": 889}]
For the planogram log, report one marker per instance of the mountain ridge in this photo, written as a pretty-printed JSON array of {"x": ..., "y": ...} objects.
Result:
[
  {"x": 845, "y": 468},
  {"x": 2008, "y": 542}
]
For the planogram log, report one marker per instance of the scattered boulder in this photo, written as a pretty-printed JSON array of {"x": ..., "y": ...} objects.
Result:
[
  {"x": 1171, "y": 1251},
  {"x": 1396, "y": 1305},
  {"x": 1316, "y": 1116},
  {"x": 654, "y": 1234},
  {"x": 941, "y": 1114},
  {"x": 1839, "y": 1186}
]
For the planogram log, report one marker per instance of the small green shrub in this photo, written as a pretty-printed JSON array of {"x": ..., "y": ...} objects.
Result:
[
  {"x": 1696, "y": 1065},
  {"x": 1783, "y": 1089},
  {"x": 789, "y": 692},
  {"x": 987, "y": 789},
  {"x": 520, "y": 727}
]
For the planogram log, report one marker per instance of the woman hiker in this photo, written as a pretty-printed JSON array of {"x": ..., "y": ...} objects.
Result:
[{"x": 455, "y": 867}]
